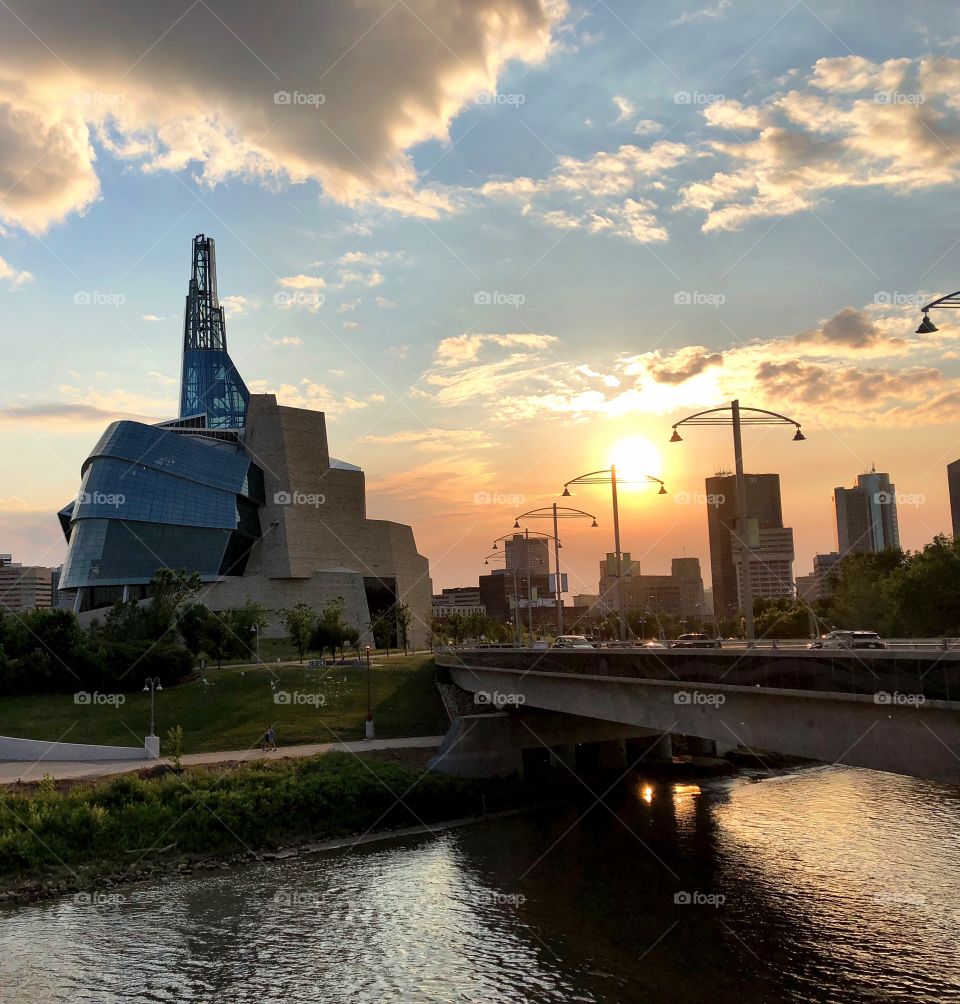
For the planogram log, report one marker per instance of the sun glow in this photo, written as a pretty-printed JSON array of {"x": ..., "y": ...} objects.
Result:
[{"x": 635, "y": 457}]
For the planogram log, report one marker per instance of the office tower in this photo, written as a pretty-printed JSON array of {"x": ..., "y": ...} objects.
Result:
[{"x": 867, "y": 515}]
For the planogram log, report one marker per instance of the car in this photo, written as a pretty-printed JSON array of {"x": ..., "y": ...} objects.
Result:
[
  {"x": 849, "y": 639},
  {"x": 653, "y": 643},
  {"x": 695, "y": 640},
  {"x": 572, "y": 641}
]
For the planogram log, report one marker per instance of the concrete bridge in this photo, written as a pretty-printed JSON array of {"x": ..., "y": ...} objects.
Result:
[{"x": 895, "y": 711}]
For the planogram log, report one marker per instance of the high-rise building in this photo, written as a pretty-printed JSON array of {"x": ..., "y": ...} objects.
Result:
[
  {"x": 24, "y": 587},
  {"x": 680, "y": 592},
  {"x": 771, "y": 565},
  {"x": 816, "y": 585},
  {"x": 240, "y": 490},
  {"x": 867, "y": 515},
  {"x": 953, "y": 484},
  {"x": 458, "y": 600},
  {"x": 517, "y": 548},
  {"x": 764, "y": 512}
]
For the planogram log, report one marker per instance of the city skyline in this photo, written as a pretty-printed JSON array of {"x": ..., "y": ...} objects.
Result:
[{"x": 487, "y": 319}]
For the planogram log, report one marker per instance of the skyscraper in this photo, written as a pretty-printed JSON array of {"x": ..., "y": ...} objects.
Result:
[
  {"x": 953, "y": 484},
  {"x": 867, "y": 515},
  {"x": 764, "y": 513},
  {"x": 517, "y": 549}
]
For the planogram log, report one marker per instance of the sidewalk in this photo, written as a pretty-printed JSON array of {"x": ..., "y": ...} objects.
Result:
[{"x": 11, "y": 772}]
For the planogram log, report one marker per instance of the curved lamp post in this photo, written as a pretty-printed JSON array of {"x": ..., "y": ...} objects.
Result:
[
  {"x": 608, "y": 476},
  {"x": 950, "y": 301},
  {"x": 526, "y": 537},
  {"x": 733, "y": 414},
  {"x": 558, "y": 513},
  {"x": 516, "y": 607}
]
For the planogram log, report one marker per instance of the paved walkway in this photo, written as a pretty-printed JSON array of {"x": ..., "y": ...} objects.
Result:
[{"x": 11, "y": 772}]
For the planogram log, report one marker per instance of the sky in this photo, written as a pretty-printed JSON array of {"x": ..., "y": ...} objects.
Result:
[{"x": 499, "y": 243}]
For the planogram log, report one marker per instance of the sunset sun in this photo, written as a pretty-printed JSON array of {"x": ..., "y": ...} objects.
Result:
[{"x": 636, "y": 456}]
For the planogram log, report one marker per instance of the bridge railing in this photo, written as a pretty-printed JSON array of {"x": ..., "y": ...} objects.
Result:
[{"x": 900, "y": 675}]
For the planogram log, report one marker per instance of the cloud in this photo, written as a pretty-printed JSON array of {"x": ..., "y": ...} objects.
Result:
[
  {"x": 600, "y": 194},
  {"x": 718, "y": 10},
  {"x": 233, "y": 306},
  {"x": 854, "y": 124},
  {"x": 15, "y": 277},
  {"x": 371, "y": 258},
  {"x": 153, "y": 318},
  {"x": 308, "y": 394},
  {"x": 625, "y": 109},
  {"x": 383, "y": 302},
  {"x": 830, "y": 371},
  {"x": 290, "y": 340},
  {"x": 432, "y": 440},
  {"x": 350, "y": 277},
  {"x": 302, "y": 281},
  {"x": 176, "y": 88},
  {"x": 459, "y": 349}
]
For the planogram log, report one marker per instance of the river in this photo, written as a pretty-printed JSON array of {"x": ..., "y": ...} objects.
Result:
[{"x": 827, "y": 884}]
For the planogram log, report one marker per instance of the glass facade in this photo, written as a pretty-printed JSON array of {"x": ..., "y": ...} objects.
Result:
[
  {"x": 212, "y": 386},
  {"x": 152, "y": 498}
]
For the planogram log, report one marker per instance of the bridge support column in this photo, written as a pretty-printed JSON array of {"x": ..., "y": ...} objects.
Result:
[
  {"x": 503, "y": 743},
  {"x": 650, "y": 749},
  {"x": 701, "y": 747}
]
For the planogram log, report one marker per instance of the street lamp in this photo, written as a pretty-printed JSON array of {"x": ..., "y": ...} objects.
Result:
[
  {"x": 951, "y": 300},
  {"x": 739, "y": 417},
  {"x": 558, "y": 513},
  {"x": 608, "y": 475},
  {"x": 526, "y": 537},
  {"x": 150, "y": 685},
  {"x": 516, "y": 607}
]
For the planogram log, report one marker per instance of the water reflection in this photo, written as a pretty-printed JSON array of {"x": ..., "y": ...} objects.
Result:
[{"x": 831, "y": 884}]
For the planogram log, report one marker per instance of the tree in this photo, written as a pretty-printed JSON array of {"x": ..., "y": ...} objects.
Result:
[
  {"x": 781, "y": 618},
  {"x": 862, "y": 597},
  {"x": 331, "y": 629},
  {"x": 925, "y": 590},
  {"x": 402, "y": 616},
  {"x": 299, "y": 623},
  {"x": 169, "y": 589}
]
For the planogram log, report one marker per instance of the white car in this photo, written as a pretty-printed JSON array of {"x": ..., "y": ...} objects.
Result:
[
  {"x": 850, "y": 639},
  {"x": 572, "y": 641}
]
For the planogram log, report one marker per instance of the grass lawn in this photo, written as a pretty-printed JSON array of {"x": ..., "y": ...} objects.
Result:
[{"x": 234, "y": 709}]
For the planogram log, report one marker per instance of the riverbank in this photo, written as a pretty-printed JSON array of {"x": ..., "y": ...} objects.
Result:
[{"x": 56, "y": 842}]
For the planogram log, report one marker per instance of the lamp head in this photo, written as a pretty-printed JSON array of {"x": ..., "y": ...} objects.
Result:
[
  {"x": 663, "y": 490},
  {"x": 798, "y": 436},
  {"x": 159, "y": 686},
  {"x": 927, "y": 326},
  {"x": 594, "y": 525},
  {"x": 516, "y": 524},
  {"x": 496, "y": 546},
  {"x": 676, "y": 437},
  {"x": 566, "y": 492},
  {"x": 485, "y": 561}
]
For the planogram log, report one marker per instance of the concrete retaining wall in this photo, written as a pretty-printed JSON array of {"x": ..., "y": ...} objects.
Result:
[{"x": 31, "y": 750}]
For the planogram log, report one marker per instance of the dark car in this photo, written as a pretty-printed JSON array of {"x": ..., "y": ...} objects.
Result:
[{"x": 695, "y": 641}]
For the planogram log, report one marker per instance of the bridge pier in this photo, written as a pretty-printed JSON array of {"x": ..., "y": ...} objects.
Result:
[
  {"x": 502, "y": 743},
  {"x": 650, "y": 749}
]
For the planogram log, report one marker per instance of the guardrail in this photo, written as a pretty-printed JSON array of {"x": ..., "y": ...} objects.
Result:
[{"x": 765, "y": 644}]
